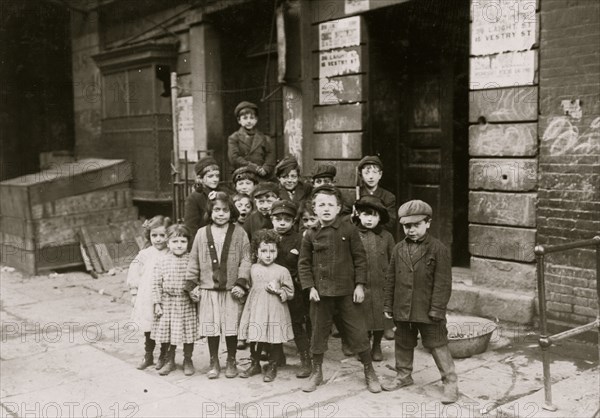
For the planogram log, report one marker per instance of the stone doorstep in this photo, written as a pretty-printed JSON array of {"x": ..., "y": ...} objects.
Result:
[{"x": 489, "y": 303}]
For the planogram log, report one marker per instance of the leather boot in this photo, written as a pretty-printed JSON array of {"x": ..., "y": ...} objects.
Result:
[
  {"x": 282, "y": 360},
  {"x": 271, "y": 372},
  {"x": 376, "y": 353},
  {"x": 215, "y": 368},
  {"x": 170, "y": 364},
  {"x": 231, "y": 370},
  {"x": 305, "y": 369},
  {"x": 188, "y": 365},
  {"x": 147, "y": 361},
  {"x": 445, "y": 363},
  {"x": 252, "y": 370},
  {"x": 371, "y": 378},
  {"x": 162, "y": 358},
  {"x": 404, "y": 367},
  {"x": 315, "y": 378}
]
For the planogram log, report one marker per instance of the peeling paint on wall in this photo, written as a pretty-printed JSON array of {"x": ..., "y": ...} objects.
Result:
[{"x": 292, "y": 130}]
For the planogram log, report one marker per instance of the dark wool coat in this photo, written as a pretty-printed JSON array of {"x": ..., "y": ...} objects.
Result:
[
  {"x": 301, "y": 193},
  {"x": 389, "y": 201},
  {"x": 379, "y": 246},
  {"x": 195, "y": 208},
  {"x": 419, "y": 289},
  {"x": 255, "y": 222},
  {"x": 333, "y": 259},
  {"x": 243, "y": 149}
]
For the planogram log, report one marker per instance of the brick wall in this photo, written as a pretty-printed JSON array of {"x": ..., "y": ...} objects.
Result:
[{"x": 569, "y": 156}]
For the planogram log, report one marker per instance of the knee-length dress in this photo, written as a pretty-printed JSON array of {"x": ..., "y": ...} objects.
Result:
[
  {"x": 265, "y": 317},
  {"x": 179, "y": 322},
  {"x": 216, "y": 266},
  {"x": 139, "y": 278}
]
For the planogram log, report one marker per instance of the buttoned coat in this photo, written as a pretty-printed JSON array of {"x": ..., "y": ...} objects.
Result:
[
  {"x": 379, "y": 246},
  {"x": 301, "y": 193},
  {"x": 418, "y": 290},
  {"x": 332, "y": 259},
  {"x": 243, "y": 149}
]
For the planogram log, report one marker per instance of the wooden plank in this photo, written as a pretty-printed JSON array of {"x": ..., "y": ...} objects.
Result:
[
  {"x": 505, "y": 140},
  {"x": 89, "y": 247},
  {"x": 515, "y": 209},
  {"x": 19, "y": 258},
  {"x": 502, "y": 105},
  {"x": 503, "y": 174},
  {"x": 113, "y": 197},
  {"x": 14, "y": 201},
  {"x": 338, "y": 145},
  {"x": 104, "y": 256},
  {"x": 502, "y": 242},
  {"x": 324, "y": 10},
  {"x": 338, "y": 90},
  {"x": 58, "y": 257},
  {"x": 338, "y": 118}
]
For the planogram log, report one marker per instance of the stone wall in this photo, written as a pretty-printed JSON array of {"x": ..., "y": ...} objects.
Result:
[{"x": 569, "y": 157}]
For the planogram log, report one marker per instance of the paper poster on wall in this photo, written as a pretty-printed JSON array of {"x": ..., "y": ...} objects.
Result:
[
  {"x": 355, "y": 6},
  {"x": 503, "y": 70},
  {"x": 185, "y": 127},
  {"x": 338, "y": 62},
  {"x": 339, "y": 33},
  {"x": 500, "y": 26}
]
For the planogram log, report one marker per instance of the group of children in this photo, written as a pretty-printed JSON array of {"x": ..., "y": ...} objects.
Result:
[{"x": 279, "y": 261}]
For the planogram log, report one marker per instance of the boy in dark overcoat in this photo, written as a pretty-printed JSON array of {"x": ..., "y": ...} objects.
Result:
[
  {"x": 417, "y": 289},
  {"x": 333, "y": 266},
  {"x": 264, "y": 196},
  {"x": 248, "y": 145},
  {"x": 291, "y": 187}
]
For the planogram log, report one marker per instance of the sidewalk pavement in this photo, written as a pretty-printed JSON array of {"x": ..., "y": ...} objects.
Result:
[{"x": 68, "y": 349}]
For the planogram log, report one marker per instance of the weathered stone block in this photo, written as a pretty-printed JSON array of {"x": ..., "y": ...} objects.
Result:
[
  {"x": 503, "y": 174},
  {"x": 506, "y": 140},
  {"x": 502, "y": 242},
  {"x": 514, "y": 104},
  {"x": 505, "y": 275},
  {"x": 338, "y": 118},
  {"x": 516, "y": 209},
  {"x": 338, "y": 145}
]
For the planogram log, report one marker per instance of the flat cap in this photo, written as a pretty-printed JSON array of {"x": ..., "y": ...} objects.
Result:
[
  {"x": 370, "y": 159},
  {"x": 414, "y": 211},
  {"x": 246, "y": 171},
  {"x": 373, "y": 202},
  {"x": 328, "y": 189},
  {"x": 205, "y": 163},
  {"x": 284, "y": 206},
  {"x": 285, "y": 164},
  {"x": 324, "y": 170},
  {"x": 264, "y": 188},
  {"x": 244, "y": 105}
]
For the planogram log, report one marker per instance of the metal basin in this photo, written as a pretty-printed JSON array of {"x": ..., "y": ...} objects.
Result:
[{"x": 469, "y": 335}]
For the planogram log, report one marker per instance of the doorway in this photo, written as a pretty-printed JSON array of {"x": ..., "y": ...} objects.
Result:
[{"x": 418, "y": 107}]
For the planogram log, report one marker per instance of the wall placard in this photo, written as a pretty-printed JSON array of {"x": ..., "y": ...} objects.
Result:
[
  {"x": 503, "y": 70},
  {"x": 339, "y": 33},
  {"x": 338, "y": 62}
]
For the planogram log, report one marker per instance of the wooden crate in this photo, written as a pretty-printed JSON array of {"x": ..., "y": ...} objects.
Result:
[{"x": 20, "y": 196}]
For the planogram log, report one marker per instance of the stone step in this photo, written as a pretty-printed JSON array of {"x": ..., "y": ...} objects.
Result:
[{"x": 474, "y": 299}]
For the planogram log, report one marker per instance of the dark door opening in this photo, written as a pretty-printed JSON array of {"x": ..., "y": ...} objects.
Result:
[{"x": 418, "y": 107}]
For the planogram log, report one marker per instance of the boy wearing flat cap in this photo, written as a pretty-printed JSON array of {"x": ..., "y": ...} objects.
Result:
[
  {"x": 283, "y": 216},
  {"x": 370, "y": 170},
  {"x": 208, "y": 176},
  {"x": 324, "y": 174},
  {"x": 291, "y": 187},
  {"x": 333, "y": 267},
  {"x": 264, "y": 196},
  {"x": 249, "y": 146},
  {"x": 379, "y": 245},
  {"x": 417, "y": 290},
  {"x": 245, "y": 179}
]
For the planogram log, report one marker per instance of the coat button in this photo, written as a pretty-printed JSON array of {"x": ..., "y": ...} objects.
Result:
[{"x": 214, "y": 261}]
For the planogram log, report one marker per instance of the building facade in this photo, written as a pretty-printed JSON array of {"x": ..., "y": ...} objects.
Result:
[{"x": 487, "y": 110}]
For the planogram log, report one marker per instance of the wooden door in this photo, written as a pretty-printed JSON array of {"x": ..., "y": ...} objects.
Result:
[{"x": 427, "y": 139}]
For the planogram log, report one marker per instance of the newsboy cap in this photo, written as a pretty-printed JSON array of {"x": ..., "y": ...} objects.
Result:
[
  {"x": 372, "y": 160},
  {"x": 324, "y": 170},
  {"x": 284, "y": 206},
  {"x": 414, "y": 211},
  {"x": 245, "y": 172},
  {"x": 328, "y": 189},
  {"x": 373, "y": 202},
  {"x": 285, "y": 164},
  {"x": 264, "y": 188},
  {"x": 245, "y": 105},
  {"x": 204, "y": 163}
]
